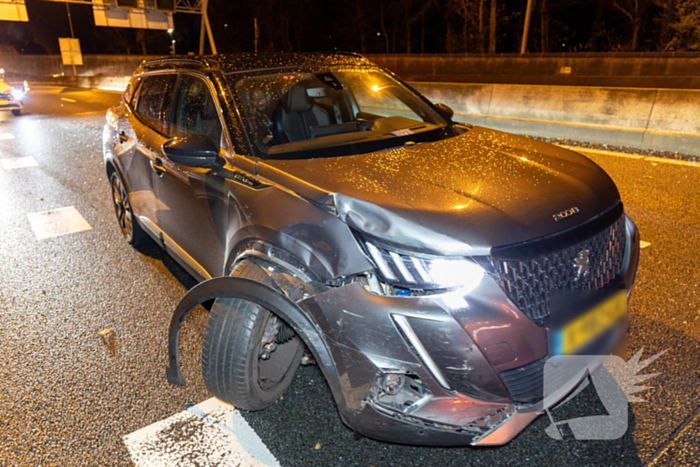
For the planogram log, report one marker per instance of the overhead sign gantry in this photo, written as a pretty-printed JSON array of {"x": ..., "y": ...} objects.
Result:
[
  {"x": 142, "y": 14},
  {"x": 169, "y": 6}
]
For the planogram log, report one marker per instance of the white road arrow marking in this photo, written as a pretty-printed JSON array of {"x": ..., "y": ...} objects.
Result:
[{"x": 210, "y": 433}]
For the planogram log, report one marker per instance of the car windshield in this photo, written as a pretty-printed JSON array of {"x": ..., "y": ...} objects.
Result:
[{"x": 315, "y": 113}]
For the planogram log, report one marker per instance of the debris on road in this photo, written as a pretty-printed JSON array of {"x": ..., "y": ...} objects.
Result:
[{"x": 109, "y": 338}]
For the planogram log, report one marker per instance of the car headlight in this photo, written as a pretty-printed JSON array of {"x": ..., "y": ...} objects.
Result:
[
  {"x": 17, "y": 94},
  {"x": 416, "y": 271}
]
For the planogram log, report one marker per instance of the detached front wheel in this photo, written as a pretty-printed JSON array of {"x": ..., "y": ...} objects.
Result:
[{"x": 249, "y": 355}]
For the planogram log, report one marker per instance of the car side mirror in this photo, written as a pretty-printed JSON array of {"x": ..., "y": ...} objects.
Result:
[
  {"x": 192, "y": 151},
  {"x": 445, "y": 111}
]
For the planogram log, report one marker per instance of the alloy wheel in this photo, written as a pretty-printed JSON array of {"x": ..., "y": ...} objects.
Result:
[{"x": 122, "y": 207}]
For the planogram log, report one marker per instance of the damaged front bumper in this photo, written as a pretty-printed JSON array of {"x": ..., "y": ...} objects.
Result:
[
  {"x": 453, "y": 352},
  {"x": 459, "y": 361}
]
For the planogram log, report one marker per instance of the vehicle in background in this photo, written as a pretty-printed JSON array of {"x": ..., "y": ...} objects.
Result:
[{"x": 11, "y": 98}]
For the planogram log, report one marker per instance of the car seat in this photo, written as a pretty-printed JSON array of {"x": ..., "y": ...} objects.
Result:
[
  {"x": 295, "y": 115},
  {"x": 202, "y": 116}
]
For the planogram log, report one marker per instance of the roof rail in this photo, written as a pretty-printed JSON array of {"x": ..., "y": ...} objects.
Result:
[
  {"x": 354, "y": 54},
  {"x": 199, "y": 61}
]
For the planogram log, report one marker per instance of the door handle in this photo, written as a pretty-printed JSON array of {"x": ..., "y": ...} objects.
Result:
[
  {"x": 122, "y": 137},
  {"x": 157, "y": 166}
]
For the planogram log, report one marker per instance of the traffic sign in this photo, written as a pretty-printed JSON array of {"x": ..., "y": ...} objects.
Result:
[{"x": 70, "y": 51}]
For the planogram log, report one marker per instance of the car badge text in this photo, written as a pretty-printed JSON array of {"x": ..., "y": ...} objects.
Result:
[
  {"x": 564, "y": 214},
  {"x": 581, "y": 264}
]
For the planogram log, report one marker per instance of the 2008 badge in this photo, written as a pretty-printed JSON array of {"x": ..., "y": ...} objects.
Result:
[{"x": 564, "y": 214}]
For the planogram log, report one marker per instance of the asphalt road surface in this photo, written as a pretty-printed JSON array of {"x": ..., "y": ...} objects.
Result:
[{"x": 71, "y": 396}]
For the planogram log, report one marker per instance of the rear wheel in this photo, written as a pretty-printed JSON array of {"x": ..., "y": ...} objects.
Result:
[
  {"x": 16, "y": 112},
  {"x": 130, "y": 227},
  {"x": 249, "y": 355}
]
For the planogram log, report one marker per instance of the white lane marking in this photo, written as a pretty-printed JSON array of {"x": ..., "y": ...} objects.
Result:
[
  {"x": 57, "y": 222},
  {"x": 672, "y": 161},
  {"x": 596, "y": 126},
  {"x": 662, "y": 160},
  {"x": 643, "y": 244},
  {"x": 108, "y": 90},
  {"x": 68, "y": 100},
  {"x": 210, "y": 433},
  {"x": 7, "y": 136},
  {"x": 18, "y": 162},
  {"x": 603, "y": 152}
]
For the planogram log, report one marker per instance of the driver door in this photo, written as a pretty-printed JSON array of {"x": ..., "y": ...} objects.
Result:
[{"x": 191, "y": 200}]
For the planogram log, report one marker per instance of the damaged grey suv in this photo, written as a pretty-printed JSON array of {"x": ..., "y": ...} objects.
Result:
[{"x": 333, "y": 213}]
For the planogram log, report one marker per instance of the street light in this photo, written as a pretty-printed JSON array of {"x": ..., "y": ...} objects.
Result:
[{"x": 172, "y": 41}]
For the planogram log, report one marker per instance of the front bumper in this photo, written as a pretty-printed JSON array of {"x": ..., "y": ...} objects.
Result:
[{"x": 473, "y": 339}]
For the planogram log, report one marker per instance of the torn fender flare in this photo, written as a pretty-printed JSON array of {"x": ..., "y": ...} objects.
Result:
[{"x": 245, "y": 289}]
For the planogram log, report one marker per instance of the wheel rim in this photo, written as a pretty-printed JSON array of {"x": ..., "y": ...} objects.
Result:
[
  {"x": 272, "y": 371},
  {"x": 122, "y": 207}
]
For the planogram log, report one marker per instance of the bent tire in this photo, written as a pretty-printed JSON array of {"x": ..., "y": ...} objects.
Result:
[
  {"x": 232, "y": 366},
  {"x": 128, "y": 223}
]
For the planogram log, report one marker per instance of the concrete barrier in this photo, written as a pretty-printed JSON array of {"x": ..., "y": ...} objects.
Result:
[
  {"x": 103, "y": 83},
  {"x": 658, "y": 119},
  {"x": 680, "y": 70},
  {"x": 39, "y": 67}
]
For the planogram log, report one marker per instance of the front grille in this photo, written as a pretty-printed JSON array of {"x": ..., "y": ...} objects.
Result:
[{"x": 527, "y": 282}]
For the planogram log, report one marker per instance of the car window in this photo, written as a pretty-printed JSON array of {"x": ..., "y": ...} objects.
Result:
[
  {"x": 195, "y": 110},
  {"x": 130, "y": 90},
  {"x": 305, "y": 111},
  {"x": 378, "y": 99},
  {"x": 154, "y": 100}
]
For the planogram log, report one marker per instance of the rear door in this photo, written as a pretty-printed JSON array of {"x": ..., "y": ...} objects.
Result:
[
  {"x": 193, "y": 217},
  {"x": 150, "y": 125},
  {"x": 134, "y": 166}
]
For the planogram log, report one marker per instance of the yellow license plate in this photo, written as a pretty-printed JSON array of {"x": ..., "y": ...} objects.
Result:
[
  {"x": 4, "y": 102},
  {"x": 591, "y": 324}
]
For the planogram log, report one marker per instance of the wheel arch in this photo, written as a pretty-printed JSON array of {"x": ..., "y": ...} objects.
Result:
[
  {"x": 110, "y": 168},
  {"x": 265, "y": 296},
  {"x": 269, "y": 252}
]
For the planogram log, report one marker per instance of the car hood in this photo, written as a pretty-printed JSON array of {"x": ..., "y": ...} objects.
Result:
[{"x": 459, "y": 196}]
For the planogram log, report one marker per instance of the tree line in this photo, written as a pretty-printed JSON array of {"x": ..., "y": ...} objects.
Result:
[
  {"x": 465, "y": 26},
  {"x": 384, "y": 26}
]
